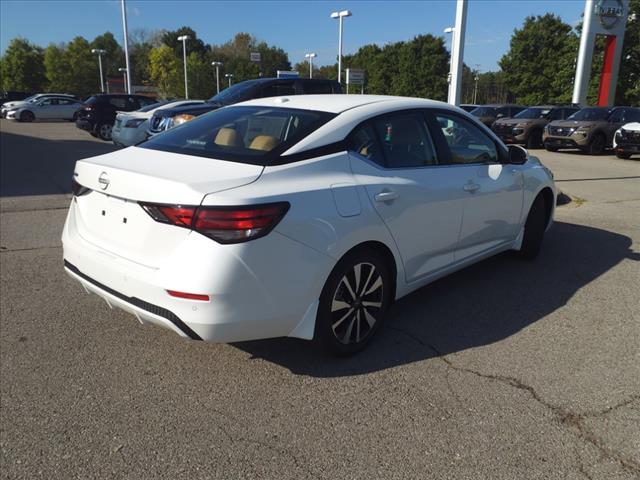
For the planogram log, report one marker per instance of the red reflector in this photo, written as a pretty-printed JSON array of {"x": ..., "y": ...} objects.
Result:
[{"x": 188, "y": 296}]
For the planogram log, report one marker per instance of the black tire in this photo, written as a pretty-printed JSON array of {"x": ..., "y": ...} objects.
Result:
[
  {"x": 534, "y": 229},
  {"x": 104, "y": 131},
  {"x": 74, "y": 118},
  {"x": 535, "y": 139},
  {"x": 623, "y": 156},
  {"x": 93, "y": 134},
  {"x": 27, "y": 116},
  {"x": 550, "y": 148},
  {"x": 353, "y": 302},
  {"x": 597, "y": 145}
]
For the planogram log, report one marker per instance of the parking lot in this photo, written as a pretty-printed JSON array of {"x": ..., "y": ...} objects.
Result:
[{"x": 505, "y": 370}]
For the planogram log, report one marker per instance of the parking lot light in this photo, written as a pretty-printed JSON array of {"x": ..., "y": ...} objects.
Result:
[
  {"x": 126, "y": 47},
  {"x": 217, "y": 65},
  {"x": 183, "y": 39},
  {"x": 124, "y": 77},
  {"x": 229, "y": 76},
  {"x": 310, "y": 56},
  {"x": 100, "y": 52},
  {"x": 340, "y": 15}
]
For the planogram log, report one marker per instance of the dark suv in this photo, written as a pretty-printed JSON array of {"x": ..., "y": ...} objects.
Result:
[
  {"x": 526, "y": 127},
  {"x": 167, "y": 118},
  {"x": 590, "y": 129},
  {"x": 488, "y": 114},
  {"x": 98, "y": 112}
]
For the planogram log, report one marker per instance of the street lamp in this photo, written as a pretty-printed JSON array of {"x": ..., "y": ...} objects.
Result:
[
  {"x": 229, "y": 76},
  {"x": 310, "y": 56},
  {"x": 340, "y": 16},
  {"x": 217, "y": 65},
  {"x": 126, "y": 48},
  {"x": 100, "y": 52},
  {"x": 183, "y": 39},
  {"x": 124, "y": 78}
]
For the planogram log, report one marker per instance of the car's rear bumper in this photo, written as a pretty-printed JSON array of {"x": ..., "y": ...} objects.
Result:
[
  {"x": 259, "y": 290},
  {"x": 127, "y": 137},
  {"x": 84, "y": 124}
]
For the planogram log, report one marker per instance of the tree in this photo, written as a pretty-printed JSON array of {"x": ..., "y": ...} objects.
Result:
[
  {"x": 539, "y": 66},
  {"x": 163, "y": 71},
  {"x": 23, "y": 67},
  {"x": 57, "y": 68},
  {"x": 114, "y": 58},
  {"x": 201, "y": 77},
  {"x": 84, "y": 77},
  {"x": 628, "y": 88},
  {"x": 194, "y": 44}
]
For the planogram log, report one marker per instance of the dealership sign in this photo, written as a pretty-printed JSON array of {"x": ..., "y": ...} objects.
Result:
[
  {"x": 609, "y": 12},
  {"x": 355, "y": 76},
  {"x": 255, "y": 56}
]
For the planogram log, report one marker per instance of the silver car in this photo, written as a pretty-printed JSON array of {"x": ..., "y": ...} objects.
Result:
[
  {"x": 48, "y": 108},
  {"x": 6, "y": 107}
]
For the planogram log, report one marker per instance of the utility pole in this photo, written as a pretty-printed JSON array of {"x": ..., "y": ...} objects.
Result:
[{"x": 126, "y": 47}]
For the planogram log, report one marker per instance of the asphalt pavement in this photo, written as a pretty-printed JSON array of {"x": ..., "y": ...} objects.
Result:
[{"x": 505, "y": 370}]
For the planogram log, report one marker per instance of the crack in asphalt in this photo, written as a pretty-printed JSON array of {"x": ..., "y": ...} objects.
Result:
[
  {"x": 573, "y": 421},
  {"x": 6, "y": 250}
]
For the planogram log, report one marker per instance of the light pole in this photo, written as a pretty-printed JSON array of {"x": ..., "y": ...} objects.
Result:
[
  {"x": 475, "y": 89},
  {"x": 99, "y": 52},
  {"x": 457, "y": 52},
  {"x": 229, "y": 76},
  {"x": 124, "y": 78},
  {"x": 126, "y": 48},
  {"x": 340, "y": 15},
  {"x": 183, "y": 39},
  {"x": 217, "y": 65},
  {"x": 310, "y": 56}
]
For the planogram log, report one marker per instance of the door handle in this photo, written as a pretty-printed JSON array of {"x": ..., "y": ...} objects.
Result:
[
  {"x": 386, "y": 196},
  {"x": 471, "y": 187}
]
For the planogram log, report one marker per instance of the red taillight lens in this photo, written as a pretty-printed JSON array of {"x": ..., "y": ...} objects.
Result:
[
  {"x": 188, "y": 296},
  {"x": 222, "y": 224}
]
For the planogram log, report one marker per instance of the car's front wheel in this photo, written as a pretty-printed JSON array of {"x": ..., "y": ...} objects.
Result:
[
  {"x": 597, "y": 145},
  {"x": 624, "y": 156},
  {"x": 104, "y": 131},
  {"x": 353, "y": 302},
  {"x": 535, "y": 139},
  {"x": 534, "y": 229},
  {"x": 27, "y": 116}
]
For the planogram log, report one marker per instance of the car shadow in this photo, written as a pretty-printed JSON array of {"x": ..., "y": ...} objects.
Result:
[
  {"x": 477, "y": 306},
  {"x": 38, "y": 166}
]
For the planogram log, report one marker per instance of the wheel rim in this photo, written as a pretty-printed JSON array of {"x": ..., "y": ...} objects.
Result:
[
  {"x": 357, "y": 303},
  {"x": 105, "y": 131}
]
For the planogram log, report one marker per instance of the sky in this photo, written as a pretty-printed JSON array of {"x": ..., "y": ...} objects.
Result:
[{"x": 298, "y": 27}]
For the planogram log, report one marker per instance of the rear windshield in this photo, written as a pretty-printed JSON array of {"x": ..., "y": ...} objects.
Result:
[
  {"x": 590, "y": 114},
  {"x": 92, "y": 100},
  {"x": 533, "y": 113},
  {"x": 235, "y": 93},
  {"x": 243, "y": 134},
  {"x": 484, "y": 112}
]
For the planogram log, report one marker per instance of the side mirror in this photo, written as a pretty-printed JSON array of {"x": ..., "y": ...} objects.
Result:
[
  {"x": 500, "y": 115},
  {"x": 517, "y": 154}
]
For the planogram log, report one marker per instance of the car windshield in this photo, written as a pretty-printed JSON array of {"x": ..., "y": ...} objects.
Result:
[
  {"x": 251, "y": 135},
  {"x": 234, "y": 93},
  {"x": 484, "y": 112},
  {"x": 590, "y": 114},
  {"x": 533, "y": 113},
  {"x": 153, "y": 106}
]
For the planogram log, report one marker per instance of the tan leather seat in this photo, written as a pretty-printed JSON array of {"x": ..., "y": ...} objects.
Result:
[
  {"x": 265, "y": 143},
  {"x": 228, "y": 137}
]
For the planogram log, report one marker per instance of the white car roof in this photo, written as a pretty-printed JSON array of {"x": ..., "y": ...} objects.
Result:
[{"x": 338, "y": 103}]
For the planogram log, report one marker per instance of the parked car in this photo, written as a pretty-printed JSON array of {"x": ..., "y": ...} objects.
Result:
[
  {"x": 590, "y": 129},
  {"x": 263, "y": 87},
  {"x": 526, "y": 127},
  {"x": 46, "y": 108},
  {"x": 13, "y": 96},
  {"x": 303, "y": 218},
  {"x": 131, "y": 128},
  {"x": 98, "y": 113},
  {"x": 626, "y": 141},
  {"x": 468, "y": 107},
  {"x": 488, "y": 114},
  {"x": 28, "y": 101}
]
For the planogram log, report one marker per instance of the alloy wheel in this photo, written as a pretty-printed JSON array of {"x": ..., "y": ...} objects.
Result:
[
  {"x": 105, "y": 131},
  {"x": 357, "y": 303}
]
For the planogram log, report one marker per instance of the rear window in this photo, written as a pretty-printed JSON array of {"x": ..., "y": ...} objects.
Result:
[{"x": 253, "y": 135}]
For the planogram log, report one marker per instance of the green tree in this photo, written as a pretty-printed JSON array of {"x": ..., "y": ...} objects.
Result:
[
  {"x": 163, "y": 72},
  {"x": 114, "y": 58},
  {"x": 23, "y": 67},
  {"x": 539, "y": 66},
  {"x": 194, "y": 44},
  {"x": 628, "y": 88},
  {"x": 84, "y": 78},
  {"x": 57, "y": 68},
  {"x": 201, "y": 77}
]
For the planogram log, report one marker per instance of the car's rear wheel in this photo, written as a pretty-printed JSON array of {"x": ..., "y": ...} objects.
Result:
[
  {"x": 596, "y": 147},
  {"x": 624, "y": 156},
  {"x": 27, "y": 116},
  {"x": 353, "y": 302},
  {"x": 535, "y": 139},
  {"x": 534, "y": 229},
  {"x": 104, "y": 131}
]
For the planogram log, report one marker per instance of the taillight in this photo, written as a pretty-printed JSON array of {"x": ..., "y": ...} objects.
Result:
[
  {"x": 77, "y": 189},
  {"x": 223, "y": 224}
]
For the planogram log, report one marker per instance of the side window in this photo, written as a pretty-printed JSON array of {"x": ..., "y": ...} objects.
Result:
[
  {"x": 47, "y": 102},
  {"x": 118, "y": 102},
  {"x": 504, "y": 111},
  {"x": 363, "y": 141},
  {"x": 467, "y": 143},
  {"x": 555, "y": 114},
  {"x": 616, "y": 116},
  {"x": 278, "y": 90},
  {"x": 632, "y": 115},
  {"x": 405, "y": 140},
  {"x": 144, "y": 101},
  {"x": 316, "y": 88},
  {"x": 567, "y": 112}
]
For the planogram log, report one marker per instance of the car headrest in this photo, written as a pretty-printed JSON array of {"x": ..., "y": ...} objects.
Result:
[{"x": 265, "y": 143}]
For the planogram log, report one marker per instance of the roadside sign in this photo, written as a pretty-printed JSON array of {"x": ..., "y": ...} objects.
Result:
[
  {"x": 287, "y": 74},
  {"x": 355, "y": 76},
  {"x": 255, "y": 56}
]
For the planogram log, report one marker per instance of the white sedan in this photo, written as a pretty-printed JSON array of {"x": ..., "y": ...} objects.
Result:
[
  {"x": 46, "y": 108},
  {"x": 302, "y": 216},
  {"x": 130, "y": 128}
]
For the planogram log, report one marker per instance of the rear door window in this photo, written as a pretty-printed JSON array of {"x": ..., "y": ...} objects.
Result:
[
  {"x": 316, "y": 88},
  {"x": 466, "y": 143},
  {"x": 364, "y": 142},
  {"x": 119, "y": 103}
]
